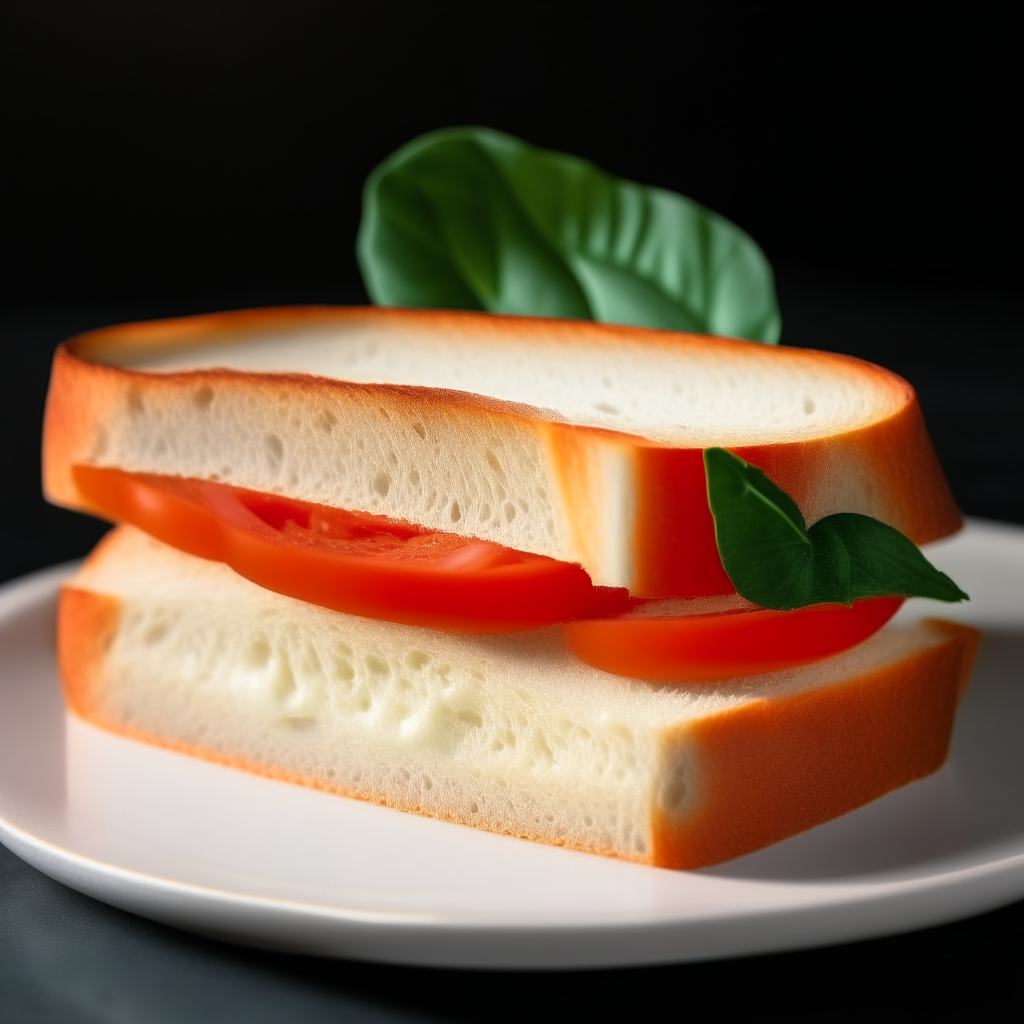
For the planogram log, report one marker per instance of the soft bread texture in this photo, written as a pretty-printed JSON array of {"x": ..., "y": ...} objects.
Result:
[
  {"x": 576, "y": 440},
  {"x": 505, "y": 732}
]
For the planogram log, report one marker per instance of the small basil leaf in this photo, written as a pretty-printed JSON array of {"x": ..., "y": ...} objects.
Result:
[
  {"x": 471, "y": 218},
  {"x": 774, "y": 561},
  {"x": 882, "y": 561}
]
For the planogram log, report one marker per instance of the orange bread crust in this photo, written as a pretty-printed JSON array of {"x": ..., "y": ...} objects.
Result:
[
  {"x": 889, "y": 460},
  {"x": 777, "y": 768}
]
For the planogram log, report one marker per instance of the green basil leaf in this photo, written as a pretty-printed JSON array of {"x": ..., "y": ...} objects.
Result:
[
  {"x": 774, "y": 561},
  {"x": 470, "y": 218},
  {"x": 882, "y": 561},
  {"x": 762, "y": 539}
]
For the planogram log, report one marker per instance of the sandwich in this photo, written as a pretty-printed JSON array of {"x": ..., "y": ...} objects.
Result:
[{"x": 510, "y": 572}]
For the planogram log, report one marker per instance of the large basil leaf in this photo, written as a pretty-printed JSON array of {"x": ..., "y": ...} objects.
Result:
[
  {"x": 471, "y": 218},
  {"x": 776, "y": 562}
]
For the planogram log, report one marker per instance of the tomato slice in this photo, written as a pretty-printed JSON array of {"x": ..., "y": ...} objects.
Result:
[
  {"x": 720, "y": 645},
  {"x": 351, "y": 561}
]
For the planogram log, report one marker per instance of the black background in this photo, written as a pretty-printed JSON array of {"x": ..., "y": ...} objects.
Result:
[{"x": 169, "y": 158}]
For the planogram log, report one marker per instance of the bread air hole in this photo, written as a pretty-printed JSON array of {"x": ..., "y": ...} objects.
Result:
[
  {"x": 492, "y": 461},
  {"x": 377, "y": 666},
  {"x": 540, "y": 750},
  {"x": 343, "y": 670},
  {"x": 257, "y": 654},
  {"x": 382, "y": 483},
  {"x": 275, "y": 450},
  {"x": 155, "y": 633},
  {"x": 202, "y": 398}
]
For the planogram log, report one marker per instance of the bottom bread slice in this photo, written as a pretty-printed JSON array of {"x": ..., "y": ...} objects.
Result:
[{"x": 505, "y": 732}]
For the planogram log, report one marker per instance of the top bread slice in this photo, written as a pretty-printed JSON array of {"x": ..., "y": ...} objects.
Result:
[{"x": 576, "y": 440}]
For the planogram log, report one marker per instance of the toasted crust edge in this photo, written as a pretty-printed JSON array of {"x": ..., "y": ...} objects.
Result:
[{"x": 833, "y": 749}]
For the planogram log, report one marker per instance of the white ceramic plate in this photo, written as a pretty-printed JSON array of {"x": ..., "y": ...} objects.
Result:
[{"x": 216, "y": 851}]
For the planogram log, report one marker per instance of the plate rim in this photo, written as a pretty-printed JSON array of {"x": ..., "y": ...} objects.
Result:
[{"x": 872, "y": 907}]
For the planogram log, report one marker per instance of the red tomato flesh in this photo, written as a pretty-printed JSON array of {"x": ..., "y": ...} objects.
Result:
[
  {"x": 352, "y": 562},
  {"x": 726, "y": 644},
  {"x": 381, "y": 568}
]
